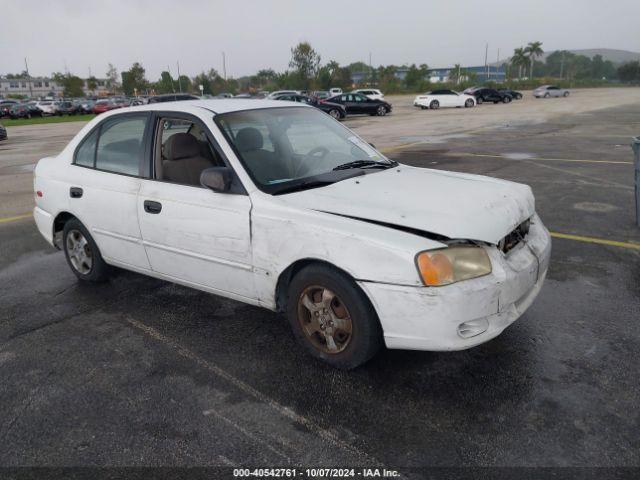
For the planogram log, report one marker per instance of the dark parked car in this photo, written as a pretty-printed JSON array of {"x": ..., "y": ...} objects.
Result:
[
  {"x": 355, "y": 103},
  {"x": 336, "y": 110},
  {"x": 489, "y": 95},
  {"x": 24, "y": 110},
  {"x": 515, "y": 95},
  {"x": 5, "y": 107},
  {"x": 86, "y": 106},
  {"x": 172, "y": 97},
  {"x": 68, "y": 108},
  {"x": 3, "y": 133}
]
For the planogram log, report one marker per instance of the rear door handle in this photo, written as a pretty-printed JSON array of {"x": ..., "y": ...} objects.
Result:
[
  {"x": 75, "y": 192},
  {"x": 152, "y": 207}
]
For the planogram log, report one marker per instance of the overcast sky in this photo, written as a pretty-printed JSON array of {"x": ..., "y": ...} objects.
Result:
[{"x": 88, "y": 34}]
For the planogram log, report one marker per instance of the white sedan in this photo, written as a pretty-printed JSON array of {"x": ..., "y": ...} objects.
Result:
[
  {"x": 278, "y": 205},
  {"x": 444, "y": 98},
  {"x": 372, "y": 93}
]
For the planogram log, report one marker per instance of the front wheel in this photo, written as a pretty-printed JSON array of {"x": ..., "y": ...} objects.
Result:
[
  {"x": 479, "y": 100},
  {"x": 546, "y": 95},
  {"x": 468, "y": 103},
  {"x": 332, "y": 318},
  {"x": 565, "y": 94},
  {"x": 82, "y": 253},
  {"x": 381, "y": 111},
  {"x": 506, "y": 99}
]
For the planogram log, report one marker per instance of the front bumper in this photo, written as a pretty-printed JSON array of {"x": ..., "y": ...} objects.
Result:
[{"x": 428, "y": 318}]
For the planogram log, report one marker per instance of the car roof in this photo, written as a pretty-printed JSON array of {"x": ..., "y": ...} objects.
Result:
[{"x": 214, "y": 105}]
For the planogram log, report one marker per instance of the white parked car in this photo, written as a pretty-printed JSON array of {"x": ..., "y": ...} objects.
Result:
[
  {"x": 48, "y": 107},
  {"x": 372, "y": 93},
  {"x": 276, "y": 204},
  {"x": 335, "y": 91},
  {"x": 443, "y": 98},
  {"x": 546, "y": 91},
  {"x": 277, "y": 93}
]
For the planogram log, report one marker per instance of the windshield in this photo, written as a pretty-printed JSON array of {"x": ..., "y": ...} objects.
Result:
[{"x": 284, "y": 147}]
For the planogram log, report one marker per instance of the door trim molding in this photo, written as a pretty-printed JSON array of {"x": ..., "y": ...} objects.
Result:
[{"x": 187, "y": 253}]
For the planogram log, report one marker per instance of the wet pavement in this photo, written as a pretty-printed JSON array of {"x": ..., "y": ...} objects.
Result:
[{"x": 139, "y": 371}]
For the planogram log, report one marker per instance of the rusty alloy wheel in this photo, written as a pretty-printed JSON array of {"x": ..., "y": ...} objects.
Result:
[{"x": 324, "y": 319}]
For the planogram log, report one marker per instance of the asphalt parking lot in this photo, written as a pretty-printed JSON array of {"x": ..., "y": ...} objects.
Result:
[{"x": 138, "y": 371}]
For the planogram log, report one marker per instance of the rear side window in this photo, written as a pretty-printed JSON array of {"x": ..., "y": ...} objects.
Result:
[
  {"x": 121, "y": 145},
  {"x": 85, "y": 155}
]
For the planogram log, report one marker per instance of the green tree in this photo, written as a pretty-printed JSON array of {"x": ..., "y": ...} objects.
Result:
[
  {"x": 71, "y": 85},
  {"x": 112, "y": 78},
  {"x": 416, "y": 76},
  {"x": 519, "y": 60},
  {"x": 533, "y": 50},
  {"x": 165, "y": 84},
  {"x": 92, "y": 83},
  {"x": 133, "y": 80},
  {"x": 305, "y": 62},
  {"x": 629, "y": 72}
]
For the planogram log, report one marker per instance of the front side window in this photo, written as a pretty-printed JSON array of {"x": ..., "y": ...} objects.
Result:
[
  {"x": 183, "y": 151},
  {"x": 284, "y": 147},
  {"x": 121, "y": 145}
]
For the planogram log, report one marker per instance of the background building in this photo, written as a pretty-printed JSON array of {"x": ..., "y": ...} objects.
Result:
[
  {"x": 480, "y": 74},
  {"x": 45, "y": 87}
]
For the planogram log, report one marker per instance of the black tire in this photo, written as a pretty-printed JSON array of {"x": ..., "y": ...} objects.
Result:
[
  {"x": 506, "y": 99},
  {"x": 479, "y": 100},
  {"x": 434, "y": 105},
  {"x": 565, "y": 94},
  {"x": 365, "y": 339},
  {"x": 381, "y": 111},
  {"x": 335, "y": 113},
  {"x": 469, "y": 103},
  {"x": 422, "y": 107},
  {"x": 99, "y": 270},
  {"x": 546, "y": 95}
]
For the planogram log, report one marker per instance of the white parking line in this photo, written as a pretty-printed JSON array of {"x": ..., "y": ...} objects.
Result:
[{"x": 249, "y": 390}]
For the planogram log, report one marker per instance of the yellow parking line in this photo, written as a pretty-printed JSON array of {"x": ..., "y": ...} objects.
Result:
[
  {"x": 507, "y": 157},
  {"x": 15, "y": 219},
  {"x": 399, "y": 147},
  {"x": 600, "y": 241}
]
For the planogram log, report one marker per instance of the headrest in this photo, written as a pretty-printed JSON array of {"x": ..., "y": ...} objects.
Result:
[
  {"x": 249, "y": 139},
  {"x": 182, "y": 145}
]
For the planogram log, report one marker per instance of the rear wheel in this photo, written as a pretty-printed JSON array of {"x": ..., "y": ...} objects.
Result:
[
  {"x": 82, "y": 253},
  {"x": 332, "y": 318},
  {"x": 506, "y": 99},
  {"x": 434, "y": 105},
  {"x": 381, "y": 111},
  {"x": 565, "y": 94},
  {"x": 479, "y": 100},
  {"x": 546, "y": 95},
  {"x": 335, "y": 113}
]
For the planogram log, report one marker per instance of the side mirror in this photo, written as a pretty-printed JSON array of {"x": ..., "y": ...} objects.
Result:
[{"x": 217, "y": 179}]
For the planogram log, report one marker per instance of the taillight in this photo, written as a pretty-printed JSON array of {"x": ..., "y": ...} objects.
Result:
[{"x": 39, "y": 193}]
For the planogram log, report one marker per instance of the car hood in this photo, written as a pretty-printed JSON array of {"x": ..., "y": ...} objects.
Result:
[{"x": 453, "y": 205}]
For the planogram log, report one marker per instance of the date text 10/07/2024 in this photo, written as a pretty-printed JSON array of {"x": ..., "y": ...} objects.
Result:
[{"x": 315, "y": 473}]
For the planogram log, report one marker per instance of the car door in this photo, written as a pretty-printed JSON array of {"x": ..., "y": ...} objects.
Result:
[
  {"x": 190, "y": 233},
  {"x": 103, "y": 188},
  {"x": 554, "y": 91}
]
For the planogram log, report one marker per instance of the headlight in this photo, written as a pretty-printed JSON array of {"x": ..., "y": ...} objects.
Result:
[{"x": 452, "y": 264}]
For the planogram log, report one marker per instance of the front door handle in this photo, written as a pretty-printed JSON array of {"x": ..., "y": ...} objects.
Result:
[
  {"x": 152, "y": 207},
  {"x": 75, "y": 192}
]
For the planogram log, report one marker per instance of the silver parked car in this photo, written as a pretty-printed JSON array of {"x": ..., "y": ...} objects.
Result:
[{"x": 546, "y": 91}]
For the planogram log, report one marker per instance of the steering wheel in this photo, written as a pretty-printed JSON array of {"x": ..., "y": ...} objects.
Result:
[{"x": 317, "y": 152}]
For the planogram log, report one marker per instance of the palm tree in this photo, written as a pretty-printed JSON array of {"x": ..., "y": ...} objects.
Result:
[
  {"x": 533, "y": 50},
  {"x": 519, "y": 59}
]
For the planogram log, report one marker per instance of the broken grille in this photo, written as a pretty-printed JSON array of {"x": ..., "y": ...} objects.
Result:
[{"x": 512, "y": 239}]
